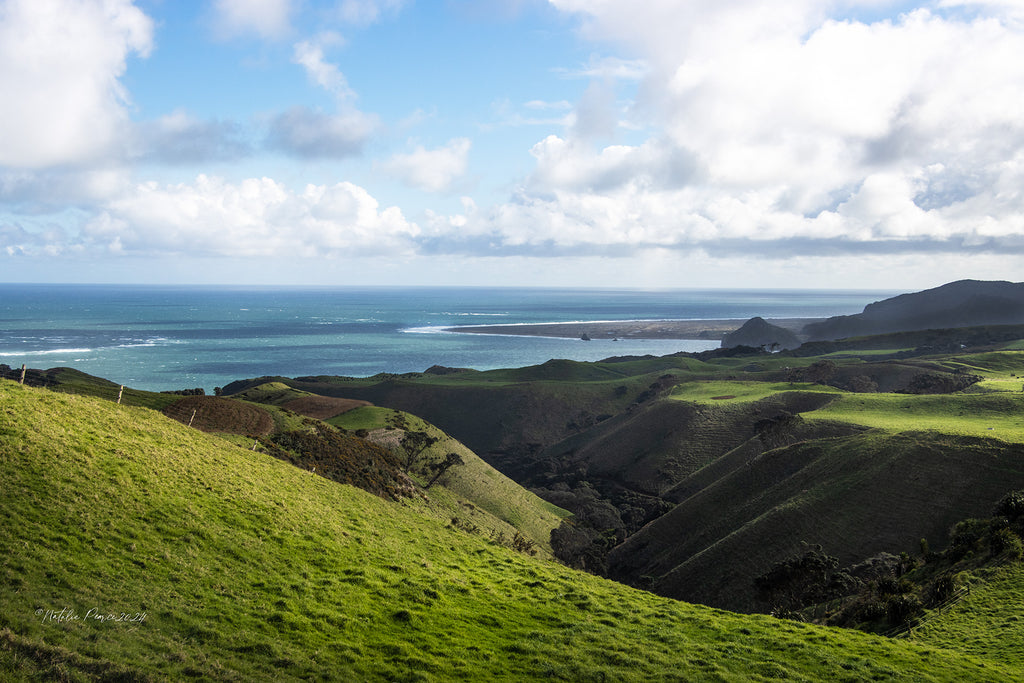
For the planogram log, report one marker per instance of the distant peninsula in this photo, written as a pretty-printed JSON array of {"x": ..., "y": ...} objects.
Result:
[
  {"x": 964, "y": 303},
  {"x": 631, "y": 329}
]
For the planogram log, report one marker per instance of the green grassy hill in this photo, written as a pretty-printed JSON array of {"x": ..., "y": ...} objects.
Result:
[
  {"x": 908, "y": 467},
  {"x": 855, "y": 496},
  {"x": 476, "y": 486},
  {"x": 135, "y": 548}
]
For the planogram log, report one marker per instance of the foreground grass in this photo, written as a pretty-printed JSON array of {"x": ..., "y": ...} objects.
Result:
[
  {"x": 988, "y": 622},
  {"x": 234, "y": 566}
]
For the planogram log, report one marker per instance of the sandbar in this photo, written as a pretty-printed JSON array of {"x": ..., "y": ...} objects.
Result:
[{"x": 630, "y": 329}]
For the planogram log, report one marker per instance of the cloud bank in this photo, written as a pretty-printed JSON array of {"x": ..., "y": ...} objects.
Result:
[
  {"x": 726, "y": 130},
  {"x": 779, "y": 125}
]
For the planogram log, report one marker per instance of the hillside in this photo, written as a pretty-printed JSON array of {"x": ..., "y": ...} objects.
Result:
[
  {"x": 642, "y": 450},
  {"x": 207, "y": 560},
  {"x": 856, "y": 497},
  {"x": 966, "y": 303}
]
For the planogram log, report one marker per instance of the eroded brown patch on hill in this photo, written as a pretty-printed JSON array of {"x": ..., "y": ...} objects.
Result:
[
  {"x": 214, "y": 414},
  {"x": 323, "y": 407}
]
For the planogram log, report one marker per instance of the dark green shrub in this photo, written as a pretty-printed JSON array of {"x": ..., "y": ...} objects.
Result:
[
  {"x": 1005, "y": 542},
  {"x": 967, "y": 537},
  {"x": 1010, "y": 506},
  {"x": 872, "y": 610},
  {"x": 900, "y": 608},
  {"x": 887, "y": 586},
  {"x": 944, "y": 588}
]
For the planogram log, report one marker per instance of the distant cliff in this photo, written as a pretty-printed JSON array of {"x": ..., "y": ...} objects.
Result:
[
  {"x": 758, "y": 332},
  {"x": 964, "y": 303}
]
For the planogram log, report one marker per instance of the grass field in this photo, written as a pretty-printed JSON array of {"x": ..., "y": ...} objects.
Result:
[
  {"x": 230, "y": 565},
  {"x": 732, "y": 391},
  {"x": 994, "y": 407},
  {"x": 986, "y": 623},
  {"x": 999, "y": 415}
]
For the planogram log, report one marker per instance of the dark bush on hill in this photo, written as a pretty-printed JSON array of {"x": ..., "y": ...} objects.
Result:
[
  {"x": 1005, "y": 542},
  {"x": 1010, "y": 506},
  {"x": 971, "y": 536},
  {"x": 442, "y": 370},
  {"x": 740, "y": 351},
  {"x": 940, "y": 383},
  {"x": 198, "y": 391},
  {"x": 323, "y": 450},
  {"x": 891, "y": 591},
  {"x": 585, "y": 541},
  {"x": 581, "y": 547},
  {"x": 804, "y": 579}
]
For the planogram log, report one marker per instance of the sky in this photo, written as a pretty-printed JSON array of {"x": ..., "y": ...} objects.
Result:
[{"x": 855, "y": 144}]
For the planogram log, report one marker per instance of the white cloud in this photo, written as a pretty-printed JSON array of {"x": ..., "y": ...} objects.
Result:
[
  {"x": 433, "y": 170},
  {"x": 256, "y": 217},
  {"x": 310, "y": 55},
  {"x": 779, "y": 127},
  {"x": 60, "y": 62},
  {"x": 311, "y": 133},
  {"x": 608, "y": 68},
  {"x": 365, "y": 12},
  {"x": 265, "y": 18},
  {"x": 180, "y": 138},
  {"x": 564, "y": 105}
]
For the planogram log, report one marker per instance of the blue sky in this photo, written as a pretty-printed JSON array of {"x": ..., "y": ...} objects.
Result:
[{"x": 655, "y": 143}]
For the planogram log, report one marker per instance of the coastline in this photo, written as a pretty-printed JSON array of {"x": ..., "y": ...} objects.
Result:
[{"x": 630, "y": 329}]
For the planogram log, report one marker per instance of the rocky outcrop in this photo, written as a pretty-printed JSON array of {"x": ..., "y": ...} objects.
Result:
[{"x": 758, "y": 332}]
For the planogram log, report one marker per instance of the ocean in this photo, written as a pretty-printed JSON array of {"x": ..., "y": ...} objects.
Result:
[{"x": 162, "y": 337}]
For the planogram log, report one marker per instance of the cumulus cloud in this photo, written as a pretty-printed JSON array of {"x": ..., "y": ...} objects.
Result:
[
  {"x": 779, "y": 126},
  {"x": 264, "y": 18},
  {"x": 60, "y": 62},
  {"x": 433, "y": 170},
  {"x": 311, "y": 133},
  {"x": 255, "y": 217}
]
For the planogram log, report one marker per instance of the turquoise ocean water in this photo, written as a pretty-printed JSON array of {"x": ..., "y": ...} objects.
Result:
[{"x": 159, "y": 338}]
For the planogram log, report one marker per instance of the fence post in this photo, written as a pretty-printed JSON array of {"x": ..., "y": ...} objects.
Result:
[
  {"x": 23, "y": 368},
  {"x": 193, "y": 417},
  {"x": 119, "y": 395}
]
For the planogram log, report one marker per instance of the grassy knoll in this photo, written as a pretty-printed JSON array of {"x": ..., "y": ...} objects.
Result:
[{"x": 241, "y": 567}]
